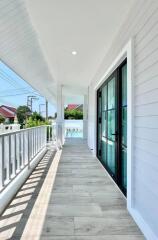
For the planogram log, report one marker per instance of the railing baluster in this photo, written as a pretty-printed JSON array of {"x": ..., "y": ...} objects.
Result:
[
  {"x": 39, "y": 139},
  {"x": 17, "y": 152},
  {"x": 35, "y": 141},
  {"x": 48, "y": 133},
  {"x": 45, "y": 134},
  {"x": 32, "y": 134},
  {"x": 15, "y": 159},
  {"x": 17, "y": 149},
  {"x": 9, "y": 160},
  {"x": 23, "y": 147},
  {"x": 2, "y": 163},
  {"x": 20, "y": 155},
  {"x": 31, "y": 141},
  {"x": 13, "y": 154},
  {"x": 28, "y": 145}
]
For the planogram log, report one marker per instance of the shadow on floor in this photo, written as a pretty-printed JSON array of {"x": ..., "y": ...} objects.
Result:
[{"x": 15, "y": 217}]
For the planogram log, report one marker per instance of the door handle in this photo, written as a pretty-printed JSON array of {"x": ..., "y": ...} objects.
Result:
[{"x": 115, "y": 134}]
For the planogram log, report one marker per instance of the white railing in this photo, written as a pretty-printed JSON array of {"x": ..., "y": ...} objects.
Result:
[
  {"x": 51, "y": 133},
  {"x": 18, "y": 149},
  {"x": 4, "y": 128},
  {"x": 73, "y": 128}
]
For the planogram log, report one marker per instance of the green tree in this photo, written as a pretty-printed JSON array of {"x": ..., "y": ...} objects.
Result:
[
  {"x": 73, "y": 114},
  {"x": 37, "y": 116},
  {"x": 23, "y": 112},
  {"x": 2, "y": 119},
  {"x": 36, "y": 120}
]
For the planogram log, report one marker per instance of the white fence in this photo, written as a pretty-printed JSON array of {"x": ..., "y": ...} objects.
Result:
[
  {"x": 18, "y": 149},
  {"x": 4, "y": 128},
  {"x": 73, "y": 128}
]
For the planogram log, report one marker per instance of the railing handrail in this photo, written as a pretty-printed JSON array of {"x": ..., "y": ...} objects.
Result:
[
  {"x": 22, "y": 130},
  {"x": 19, "y": 148}
]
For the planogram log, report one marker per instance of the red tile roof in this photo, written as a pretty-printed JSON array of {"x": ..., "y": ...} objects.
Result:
[
  {"x": 6, "y": 114},
  {"x": 8, "y": 107},
  {"x": 72, "y": 106}
]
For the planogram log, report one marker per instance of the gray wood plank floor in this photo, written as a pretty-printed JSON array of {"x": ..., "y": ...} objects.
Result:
[
  {"x": 85, "y": 204},
  {"x": 74, "y": 196}
]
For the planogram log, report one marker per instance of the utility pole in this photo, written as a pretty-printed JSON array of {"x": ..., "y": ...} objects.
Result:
[
  {"x": 40, "y": 105},
  {"x": 30, "y": 100},
  {"x": 46, "y": 109}
]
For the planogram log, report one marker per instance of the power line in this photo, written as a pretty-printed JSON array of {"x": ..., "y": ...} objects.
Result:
[
  {"x": 3, "y": 77},
  {"x": 18, "y": 94},
  {"x": 8, "y": 77},
  {"x": 18, "y": 89}
]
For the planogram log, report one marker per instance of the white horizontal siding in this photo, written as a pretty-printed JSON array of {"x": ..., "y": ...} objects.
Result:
[
  {"x": 147, "y": 110},
  {"x": 148, "y": 25},
  {"x": 149, "y": 46},
  {"x": 147, "y": 86},
  {"x": 147, "y": 75},
  {"x": 146, "y": 145},
  {"x": 142, "y": 26},
  {"x": 146, "y": 63},
  {"x": 146, "y": 199},
  {"x": 143, "y": 158},
  {"x": 147, "y": 97},
  {"x": 146, "y": 122},
  {"x": 145, "y": 174},
  {"x": 147, "y": 134}
]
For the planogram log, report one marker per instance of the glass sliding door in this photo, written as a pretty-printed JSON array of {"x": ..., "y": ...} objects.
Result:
[
  {"x": 99, "y": 129},
  {"x": 112, "y": 125},
  {"x": 104, "y": 123},
  {"x": 124, "y": 127}
]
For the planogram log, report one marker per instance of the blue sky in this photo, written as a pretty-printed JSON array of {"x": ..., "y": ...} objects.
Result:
[{"x": 14, "y": 91}]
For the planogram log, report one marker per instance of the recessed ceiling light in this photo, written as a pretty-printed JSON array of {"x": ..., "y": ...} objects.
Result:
[{"x": 74, "y": 52}]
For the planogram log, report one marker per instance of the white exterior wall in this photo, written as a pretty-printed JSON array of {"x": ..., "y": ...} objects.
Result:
[{"x": 142, "y": 27}]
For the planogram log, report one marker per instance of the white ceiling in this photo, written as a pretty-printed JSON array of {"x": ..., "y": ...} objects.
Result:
[
  {"x": 38, "y": 36},
  {"x": 86, "y": 26},
  {"x": 20, "y": 48}
]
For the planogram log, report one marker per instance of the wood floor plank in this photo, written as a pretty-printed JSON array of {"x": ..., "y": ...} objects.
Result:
[
  {"x": 83, "y": 203},
  {"x": 92, "y": 199}
]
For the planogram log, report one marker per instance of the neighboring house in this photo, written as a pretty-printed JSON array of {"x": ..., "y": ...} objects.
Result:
[
  {"x": 80, "y": 107},
  {"x": 75, "y": 106},
  {"x": 8, "y": 112}
]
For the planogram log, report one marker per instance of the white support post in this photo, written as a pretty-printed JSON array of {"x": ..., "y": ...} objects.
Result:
[
  {"x": 85, "y": 116},
  {"x": 60, "y": 117}
]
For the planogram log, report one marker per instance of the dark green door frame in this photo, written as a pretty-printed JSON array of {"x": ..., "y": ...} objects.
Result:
[{"x": 111, "y": 125}]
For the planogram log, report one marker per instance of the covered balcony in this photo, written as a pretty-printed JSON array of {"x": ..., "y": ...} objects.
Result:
[
  {"x": 102, "y": 184},
  {"x": 68, "y": 196}
]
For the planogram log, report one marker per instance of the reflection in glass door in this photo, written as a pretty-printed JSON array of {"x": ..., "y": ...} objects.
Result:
[
  {"x": 124, "y": 126},
  {"x": 99, "y": 130},
  {"x": 112, "y": 125},
  {"x": 111, "y": 128}
]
